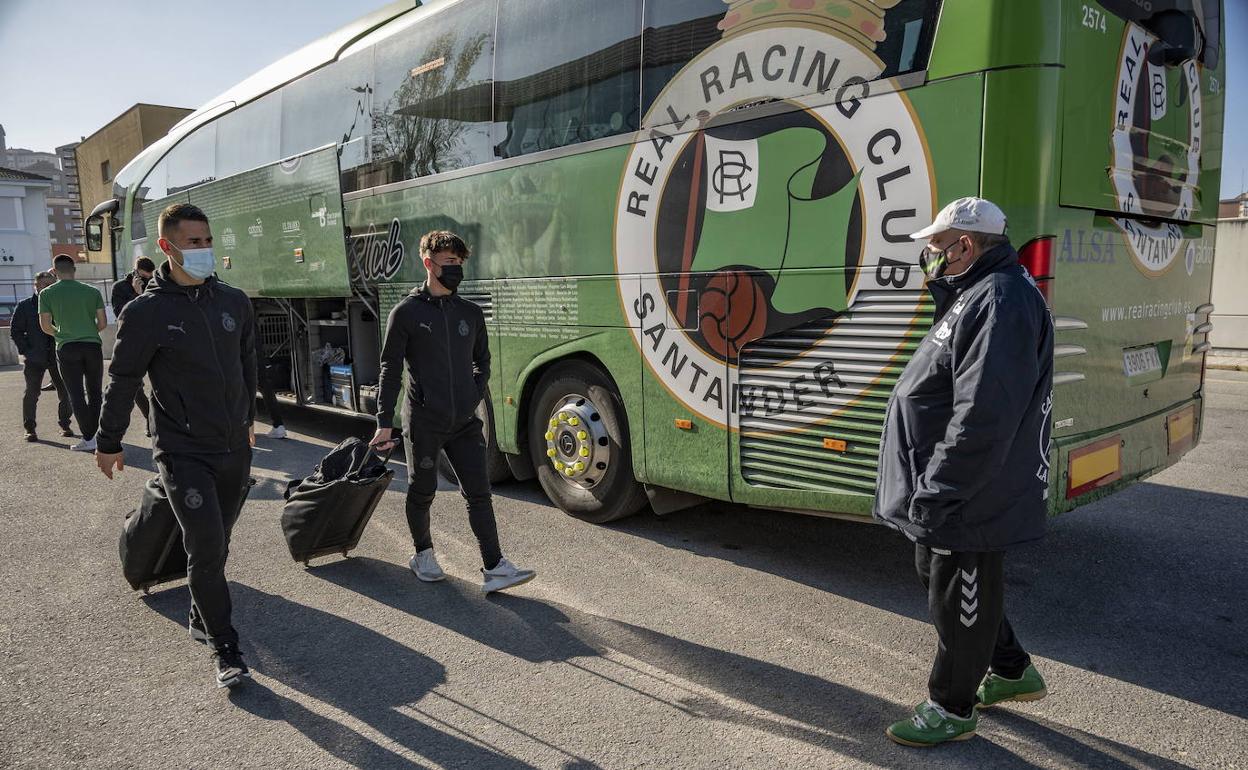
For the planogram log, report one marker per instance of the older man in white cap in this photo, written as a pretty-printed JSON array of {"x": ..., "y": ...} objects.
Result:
[{"x": 964, "y": 463}]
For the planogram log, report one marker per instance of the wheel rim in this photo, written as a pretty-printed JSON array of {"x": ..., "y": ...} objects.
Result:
[{"x": 577, "y": 447}]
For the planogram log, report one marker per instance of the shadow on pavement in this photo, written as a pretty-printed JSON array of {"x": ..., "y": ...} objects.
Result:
[
  {"x": 346, "y": 666},
  {"x": 1147, "y": 585},
  {"x": 793, "y": 704}
]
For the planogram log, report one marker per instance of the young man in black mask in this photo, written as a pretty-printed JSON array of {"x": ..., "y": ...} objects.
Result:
[{"x": 442, "y": 339}]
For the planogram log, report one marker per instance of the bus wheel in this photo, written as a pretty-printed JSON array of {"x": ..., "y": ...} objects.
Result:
[
  {"x": 578, "y": 438},
  {"x": 496, "y": 466}
]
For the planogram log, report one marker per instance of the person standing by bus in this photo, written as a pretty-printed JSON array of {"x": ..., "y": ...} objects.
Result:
[
  {"x": 38, "y": 351},
  {"x": 73, "y": 314},
  {"x": 264, "y": 375},
  {"x": 442, "y": 339},
  {"x": 192, "y": 336},
  {"x": 964, "y": 463},
  {"x": 131, "y": 285}
]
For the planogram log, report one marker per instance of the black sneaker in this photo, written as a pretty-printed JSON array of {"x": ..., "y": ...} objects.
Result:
[
  {"x": 31, "y": 437},
  {"x": 67, "y": 432},
  {"x": 231, "y": 670},
  {"x": 197, "y": 630}
]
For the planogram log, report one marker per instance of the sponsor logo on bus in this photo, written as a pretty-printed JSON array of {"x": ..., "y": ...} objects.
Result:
[
  {"x": 742, "y": 229},
  {"x": 1139, "y": 179}
]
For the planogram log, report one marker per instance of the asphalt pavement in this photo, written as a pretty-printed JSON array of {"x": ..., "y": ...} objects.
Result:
[{"x": 716, "y": 638}]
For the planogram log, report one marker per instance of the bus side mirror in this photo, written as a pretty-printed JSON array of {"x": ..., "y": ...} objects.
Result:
[{"x": 95, "y": 233}]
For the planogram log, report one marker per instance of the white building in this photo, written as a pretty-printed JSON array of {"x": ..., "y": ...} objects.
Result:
[
  {"x": 1230, "y": 290},
  {"x": 25, "y": 247}
]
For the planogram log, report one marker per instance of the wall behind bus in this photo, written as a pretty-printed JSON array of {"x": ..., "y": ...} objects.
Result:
[
  {"x": 1230, "y": 281},
  {"x": 102, "y": 154}
]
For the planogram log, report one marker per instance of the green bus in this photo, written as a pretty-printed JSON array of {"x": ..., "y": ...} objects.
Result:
[{"x": 689, "y": 221}]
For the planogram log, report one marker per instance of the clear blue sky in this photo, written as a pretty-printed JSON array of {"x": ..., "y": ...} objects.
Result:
[{"x": 70, "y": 66}]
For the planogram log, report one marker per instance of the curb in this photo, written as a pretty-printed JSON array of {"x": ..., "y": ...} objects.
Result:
[{"x": 1228, "y": 364}]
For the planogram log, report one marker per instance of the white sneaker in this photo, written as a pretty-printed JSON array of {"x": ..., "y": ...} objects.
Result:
[
  {"x": 277, "y": 431},
  {"x": 505, "y": 575},
  {"x": 87, "y": 445},
  {"x": 426, "y": 567}
]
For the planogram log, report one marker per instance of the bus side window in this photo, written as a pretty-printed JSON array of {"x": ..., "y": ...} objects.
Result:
[
  {"x": 431, "y": 110},
  {"x": 567, "y": 71},
  {"x": 194, "y": 160},
  {"x": 154, "y": 187},
  {"x": 248, "y": 137},
  {"x": 332, "y": 105},
  {"x": 676, "y": 31}
]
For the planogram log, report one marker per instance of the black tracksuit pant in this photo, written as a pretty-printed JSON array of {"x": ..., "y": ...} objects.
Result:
[
  {"x": 33, "y": 372},
  {"x": 206, "y": 493},
  {"x": 966, "y": 599},
  {"x": 465, "y": 448},
  {"x": 82, "y": 368},
  {"x": 268, "y": 393}
]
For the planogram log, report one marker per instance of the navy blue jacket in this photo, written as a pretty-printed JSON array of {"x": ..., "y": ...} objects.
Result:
[
  {"x": 38, "y": 348},
  {"x": 964, "y": 462}
]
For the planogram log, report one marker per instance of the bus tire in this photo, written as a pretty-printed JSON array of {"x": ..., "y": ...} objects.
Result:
[
  {"x": 496, "y": 466},
  {"x": 579, "y": 442}
]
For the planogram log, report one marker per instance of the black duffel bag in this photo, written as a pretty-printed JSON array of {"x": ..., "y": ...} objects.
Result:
[
  {"x": 327, "y": 512},
  {"x": 151, "y": 540}
]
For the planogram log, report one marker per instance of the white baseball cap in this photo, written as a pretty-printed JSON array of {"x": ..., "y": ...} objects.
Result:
[{"x": 974, "y": 215}]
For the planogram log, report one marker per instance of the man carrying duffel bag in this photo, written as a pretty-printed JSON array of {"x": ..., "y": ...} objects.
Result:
[
  {"x": 441, "y": 337},
  {"x": 192, "y": 336}
]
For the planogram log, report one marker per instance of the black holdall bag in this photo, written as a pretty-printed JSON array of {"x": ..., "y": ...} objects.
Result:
[
  {"x": 151, "y": 540},
  {"x": 327, "y": 512}
]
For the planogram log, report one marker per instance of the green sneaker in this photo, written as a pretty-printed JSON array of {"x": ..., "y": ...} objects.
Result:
[
  {"x": 997, "y": 689},
  {"x": 932, "y": 725}
]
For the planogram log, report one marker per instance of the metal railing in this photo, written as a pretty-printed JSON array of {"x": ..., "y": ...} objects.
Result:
[{"x": 13, "y": 292}]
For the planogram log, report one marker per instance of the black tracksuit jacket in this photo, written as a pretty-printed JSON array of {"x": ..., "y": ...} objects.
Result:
[
  {"x": 964, "y": 462},
  {"x": 123, "y": 292},
  {"x": 31, "y": 342},
  {"x": 197, "y": 346},
  {"x": 444, "y": 342}
]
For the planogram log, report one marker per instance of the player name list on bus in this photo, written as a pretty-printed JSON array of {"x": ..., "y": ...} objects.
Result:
[{"x": 538, "y": 309}]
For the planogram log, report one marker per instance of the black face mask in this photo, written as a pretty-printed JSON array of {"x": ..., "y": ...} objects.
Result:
[{"x": 451, "y": 276}]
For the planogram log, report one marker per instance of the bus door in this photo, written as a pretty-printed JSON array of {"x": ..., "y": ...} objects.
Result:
[{"x": 686, "y": 390}]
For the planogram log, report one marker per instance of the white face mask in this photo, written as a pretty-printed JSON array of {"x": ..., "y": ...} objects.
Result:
[{"x": 198, "y": 263}]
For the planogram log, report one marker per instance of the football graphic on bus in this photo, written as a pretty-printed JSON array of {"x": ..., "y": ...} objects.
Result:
[
  {"x": 733, "y": 310},
  {"x": 756, "y": 227}
]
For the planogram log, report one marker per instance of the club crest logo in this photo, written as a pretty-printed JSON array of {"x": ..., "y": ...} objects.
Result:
[
  {"x": 463, "y": 328},
  {"x": 732, "y": 229},
  {"x": 193, "y": 499},
  {"x": 1154, "y": 176},
  {"x": 227, "y": 322}
]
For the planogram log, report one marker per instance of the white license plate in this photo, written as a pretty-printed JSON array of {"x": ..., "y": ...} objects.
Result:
[{"x": 1141, "y": 361}]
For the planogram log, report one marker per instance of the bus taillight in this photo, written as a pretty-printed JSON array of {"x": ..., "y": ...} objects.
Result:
[{"x": 1037, "y": 257}]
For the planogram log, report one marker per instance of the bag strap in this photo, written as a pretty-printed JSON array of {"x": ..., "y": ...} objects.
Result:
[{"x": 385, "y": 459}]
